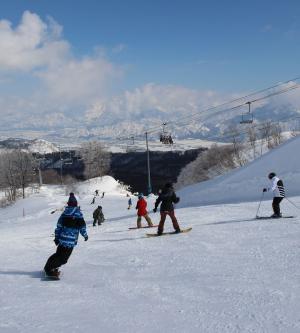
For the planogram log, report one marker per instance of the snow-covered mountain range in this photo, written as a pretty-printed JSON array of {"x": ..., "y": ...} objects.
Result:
[
  {"x": 34, "y": 146},
  {"x": 107, "y": 121}
]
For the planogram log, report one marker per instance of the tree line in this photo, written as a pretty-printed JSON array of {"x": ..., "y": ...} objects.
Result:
[
  {"x": 20, "y": 169},
  {"x": 245, "y": 144}
]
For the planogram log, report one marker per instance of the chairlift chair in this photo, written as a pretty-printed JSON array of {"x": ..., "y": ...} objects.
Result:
[
  {"x": 247, "y": 118},
  {"x": 165, "y": 137}
]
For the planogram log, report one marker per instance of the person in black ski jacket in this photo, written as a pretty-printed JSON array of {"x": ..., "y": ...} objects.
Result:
[
  {"x": 98, "y": 216},
  {"x": 69, "y": 225},
  {"x": 278, "y": 193},
  {"x": 167, "y": 198}
]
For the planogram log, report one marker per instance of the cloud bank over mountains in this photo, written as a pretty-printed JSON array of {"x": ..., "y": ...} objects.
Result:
[{"x": 45, "y": 86}]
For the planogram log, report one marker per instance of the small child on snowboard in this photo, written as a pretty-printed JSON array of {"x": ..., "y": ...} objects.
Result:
[{"x": 142, "y": 211}]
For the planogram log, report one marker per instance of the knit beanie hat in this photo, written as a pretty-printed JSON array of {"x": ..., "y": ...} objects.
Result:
[{"x": 72, "y": 202}]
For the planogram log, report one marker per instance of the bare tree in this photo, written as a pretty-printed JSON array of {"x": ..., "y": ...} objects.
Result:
[
  {"x": 95, "y": 158},
  {"x": 276, "y": 133},
  {"x": 16, "y": 172},
  {"x": 266, "y": 130},
  {"x": 7, "y": 177},
  {"x": 24, "y": 165},
  {"x": 236, "y": 140},
  {"x": 213, "y": 162},
  {"x": 252, "y": 137}
]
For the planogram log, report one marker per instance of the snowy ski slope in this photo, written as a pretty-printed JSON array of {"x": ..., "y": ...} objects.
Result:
[{"x": 231, "y": 273}]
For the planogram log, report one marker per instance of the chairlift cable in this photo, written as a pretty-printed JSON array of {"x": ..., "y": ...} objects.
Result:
[{"x": 199, "y": 113}]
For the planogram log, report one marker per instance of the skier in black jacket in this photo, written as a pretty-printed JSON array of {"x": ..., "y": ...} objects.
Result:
[{"x": 167, "y": 197}]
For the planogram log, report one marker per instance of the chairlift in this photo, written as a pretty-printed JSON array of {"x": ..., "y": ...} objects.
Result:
[
  {"x": 165, "y": 137},
  {"x": 247, "y": 118},
  {"x": 68, "y": 161},
  {"x": 130, "y": 145}
]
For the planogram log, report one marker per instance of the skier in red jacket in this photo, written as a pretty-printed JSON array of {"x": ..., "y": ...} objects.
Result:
[{"x": 142, "y": 211}]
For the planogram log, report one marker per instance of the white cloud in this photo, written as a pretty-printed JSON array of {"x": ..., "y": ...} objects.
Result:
[
  {"x": 36, "y": 48},
  {"x": 79, "y": 81},
  {"x": 170, "y": 100},
  {"x": 32, "y": 44}
]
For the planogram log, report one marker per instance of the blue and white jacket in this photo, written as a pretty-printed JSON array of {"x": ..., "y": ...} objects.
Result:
[{"x": 69, "y": 225}]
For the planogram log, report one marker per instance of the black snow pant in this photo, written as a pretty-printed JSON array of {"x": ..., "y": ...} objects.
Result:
[
  {"x": 275, "y": 205},
  {"x": 60, "y": 257}
]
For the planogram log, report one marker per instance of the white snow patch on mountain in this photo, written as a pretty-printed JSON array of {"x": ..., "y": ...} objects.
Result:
[{"x": 42, "y": 146}]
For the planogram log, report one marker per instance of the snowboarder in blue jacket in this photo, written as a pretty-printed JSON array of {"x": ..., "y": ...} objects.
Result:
[{"x": 69, "y": 225}]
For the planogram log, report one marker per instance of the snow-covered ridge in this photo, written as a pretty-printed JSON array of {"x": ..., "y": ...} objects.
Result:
[
  {"x": 42, "y": 147},
  {"x": 35, "y": 146}
]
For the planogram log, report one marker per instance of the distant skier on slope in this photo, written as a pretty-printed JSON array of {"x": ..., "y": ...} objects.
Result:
[
  {"x": 129, "y": 203},
  {"x": 141, "y": 206},
  {"x": 167, "y": 197},
  {"x": 69, "y": 225},
  {"x": 98, "y": 216},
  {"x": 278, "y": 193}
]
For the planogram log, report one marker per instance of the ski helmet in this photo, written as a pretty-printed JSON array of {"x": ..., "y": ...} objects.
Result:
[{"x": 271, "y": 175}]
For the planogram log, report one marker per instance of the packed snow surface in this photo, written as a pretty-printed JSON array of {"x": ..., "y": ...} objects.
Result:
[{"x": 231, "y": 273}]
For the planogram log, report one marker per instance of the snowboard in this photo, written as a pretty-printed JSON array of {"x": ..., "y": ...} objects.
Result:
[
  {"x": 133, "y": 228},
  {"x": 273, "y": 218},
  {"x": 169, "y": 233}
]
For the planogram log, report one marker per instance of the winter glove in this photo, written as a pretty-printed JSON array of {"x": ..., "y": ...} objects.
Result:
[
  {"x": 56, "y": 241},
  {"x": 86, "y": 238},
  {"x": 154, "y": 210},
  {"x": 264, "y": 190},
  {"x": 176, "y": 200}
]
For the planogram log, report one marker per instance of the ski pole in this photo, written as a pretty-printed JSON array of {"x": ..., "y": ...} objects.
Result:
[
  {"x": 260, "y": 203},
  {"x": 292, "y": 203}
]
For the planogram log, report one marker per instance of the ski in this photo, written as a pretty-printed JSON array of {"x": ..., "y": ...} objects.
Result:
[
  {"x": 133, "y": 228},
  {"x": 169, "y": 233},
  {"x": 273, "y": 218}
]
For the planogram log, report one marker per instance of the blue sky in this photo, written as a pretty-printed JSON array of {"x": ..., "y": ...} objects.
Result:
[
  {"x": 60, "y": 54},
  {"x": 224, "y": 45}
]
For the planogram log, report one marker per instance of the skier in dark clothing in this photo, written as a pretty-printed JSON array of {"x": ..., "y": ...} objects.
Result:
[
  {"x": 129, "y": 203},
  {"x": 167, "y": 197},
  {"x": 278, "y": 193},
  {"x": 69, "y": 225},
  {"x": 98, "y": 216}
]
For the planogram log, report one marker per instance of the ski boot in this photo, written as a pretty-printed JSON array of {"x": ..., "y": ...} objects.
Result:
[{"x": 276, "y": 215}]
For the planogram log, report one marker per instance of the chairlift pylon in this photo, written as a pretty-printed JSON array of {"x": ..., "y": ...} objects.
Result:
[{"x": 247, "y": 118}]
